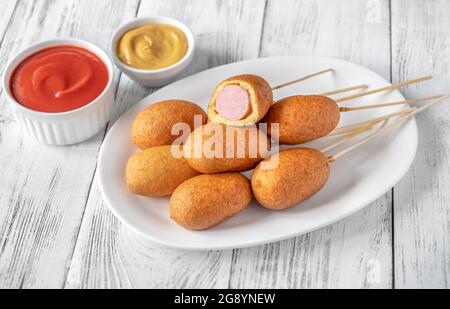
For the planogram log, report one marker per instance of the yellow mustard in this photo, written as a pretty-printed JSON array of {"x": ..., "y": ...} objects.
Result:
[{"x": 152, "y": 47}]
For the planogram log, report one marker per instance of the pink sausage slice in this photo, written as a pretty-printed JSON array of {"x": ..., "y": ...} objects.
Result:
[{"x": 233, "y": 103}]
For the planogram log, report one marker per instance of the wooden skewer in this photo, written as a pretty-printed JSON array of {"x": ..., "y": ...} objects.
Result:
[
  {"x": 366, "y": 139},
  {"x": 343, "y": 90},
  {"x": 354, "y": 133},
  {"x": 410, "y": 102},
  {"x": 301, "y": 79},
  {"x": 366, "y": 126},
  {"x": 385, "y": 128},
  {"x": 350, "y": 128},
  {"x": 392, "y": 87}
]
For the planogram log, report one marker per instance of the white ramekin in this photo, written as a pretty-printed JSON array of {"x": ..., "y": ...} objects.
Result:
[
  {"x": 68, "y": 128},
  {"x": 153, "y": 78}
]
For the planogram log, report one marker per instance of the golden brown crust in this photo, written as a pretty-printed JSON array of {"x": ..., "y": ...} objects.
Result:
[
  {"x": 261, "y": 97},
  {"x": 248, "y": 147},
  {"x": 207, "y": 200},
  {"x": 300, "y": 173},
  {"x": 153, "y": 126},
  {"x": 303, "y": 119},
  {"x": 156, "y": 172}
]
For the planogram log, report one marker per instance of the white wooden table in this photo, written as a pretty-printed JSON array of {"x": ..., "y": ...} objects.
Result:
[{"x": 55, "y": 230}]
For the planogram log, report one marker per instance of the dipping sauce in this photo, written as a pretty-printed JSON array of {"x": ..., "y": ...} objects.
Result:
[
  {"x": 59, "y": 79},
  {"x": 152, "y": 47}
]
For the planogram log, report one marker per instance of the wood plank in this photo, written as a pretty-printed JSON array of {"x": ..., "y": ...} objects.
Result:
[
  {"x": 43, "y": 190},
  {"x": 5, "y": 16},
  {"x": 354, "y": 253},
  {"x": 108, "y": 254},
  {"x": 421, "y": 44}
]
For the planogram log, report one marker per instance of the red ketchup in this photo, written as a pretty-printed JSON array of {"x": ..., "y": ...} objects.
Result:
[{"x": 59, "y": 79}]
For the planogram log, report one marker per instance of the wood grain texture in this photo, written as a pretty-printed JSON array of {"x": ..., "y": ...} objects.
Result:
[
  {"x": 108, "y": 255},
  {"x": 421, "y": 44},
  {"x": 6, "y": 13},
  {"x": 51, "y": 209},
  {"x": 354, "y": 253},
  {"x": 43, "y": 198}
]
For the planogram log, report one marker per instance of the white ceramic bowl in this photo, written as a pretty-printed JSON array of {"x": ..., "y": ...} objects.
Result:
[
  {"x": 68, "y": 128},
  {"x": 154, "y": 78}
]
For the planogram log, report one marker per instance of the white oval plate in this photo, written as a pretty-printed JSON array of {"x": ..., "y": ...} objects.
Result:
[{"x": 357, "y": 180}]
